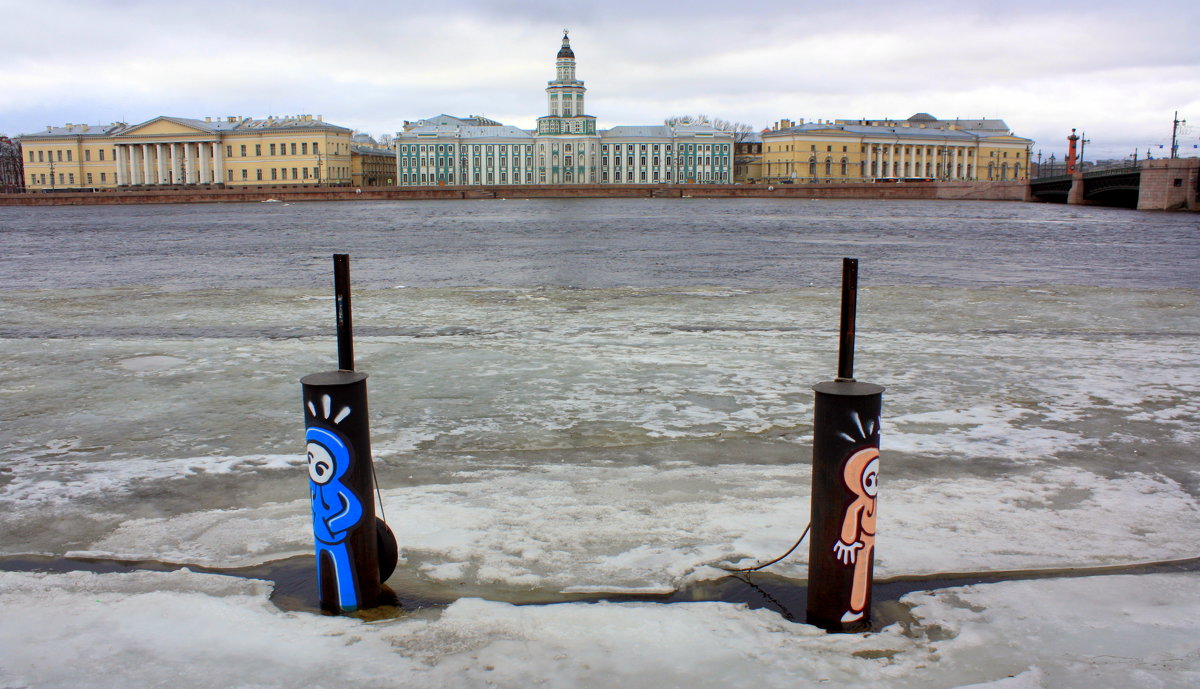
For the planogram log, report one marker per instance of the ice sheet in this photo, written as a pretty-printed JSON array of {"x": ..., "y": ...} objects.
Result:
[
  {"x": 566, "y": 527},
  {"x": 190, "y": 630}
]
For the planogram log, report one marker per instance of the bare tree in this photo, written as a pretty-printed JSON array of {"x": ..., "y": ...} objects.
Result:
[
  {"x": 740, "y": 130},
  {"x": 12, "y": 167}
]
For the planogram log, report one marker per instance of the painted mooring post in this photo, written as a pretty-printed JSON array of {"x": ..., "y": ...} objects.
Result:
[
  {"x": 845, "y": 484},
  {"x": 355, "y": 551}
]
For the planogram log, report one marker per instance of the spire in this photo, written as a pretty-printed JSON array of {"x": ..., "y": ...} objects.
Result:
[{"x": 566, "y": 51}]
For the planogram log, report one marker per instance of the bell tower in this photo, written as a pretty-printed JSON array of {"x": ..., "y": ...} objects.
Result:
[{"x": 565, "y": 98}]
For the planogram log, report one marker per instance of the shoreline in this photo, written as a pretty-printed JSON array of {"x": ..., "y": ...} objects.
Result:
[{"x": 907, "y": 191}]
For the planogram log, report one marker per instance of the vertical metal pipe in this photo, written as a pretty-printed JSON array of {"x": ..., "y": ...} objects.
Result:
[
  {"x": 849, "y": 312},
  {"x": 845, "y": 486},
  {"x": 345, "y": 322}
]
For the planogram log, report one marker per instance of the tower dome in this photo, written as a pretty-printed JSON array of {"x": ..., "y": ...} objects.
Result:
[{"x": 565, "y": 50}]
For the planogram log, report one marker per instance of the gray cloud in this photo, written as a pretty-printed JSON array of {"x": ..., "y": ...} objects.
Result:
[{"x": 1114, "y": 69}]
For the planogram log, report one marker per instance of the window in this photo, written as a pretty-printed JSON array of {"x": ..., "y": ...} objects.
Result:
[
  {"x": 103, "y": 176},
  {"x": 293, "y": 153},
  {"x": 229, "y": 154},
  {"x": 243, "y": 150},
  {"x": 274, "y": 172},
  {"x": 304, "y": 148},
  {"x": 304, "y": 172},
  {"x": 272, "y": 149},
  {"x": 245, "y": 174},
  {"x": 60, "y": 175},
  {"x": 60, "y": 156},
  {"x": 102, "y": 154},
  {"x": 257, "y": 149},
  {"x": 71, "y": 177},
  {"x": 258, "y": 174},
  {"x": 294, "y": 174},
  {"x": 87, "y": 156}
]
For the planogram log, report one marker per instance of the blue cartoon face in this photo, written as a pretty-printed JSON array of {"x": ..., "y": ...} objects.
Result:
[{"x": 321, "y": 464}]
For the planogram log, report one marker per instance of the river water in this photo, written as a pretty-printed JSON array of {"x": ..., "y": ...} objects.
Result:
[{"x": 602, "y": 395}]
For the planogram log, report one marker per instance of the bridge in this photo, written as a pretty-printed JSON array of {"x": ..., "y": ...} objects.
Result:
[{"x": 1167, "y": 184}]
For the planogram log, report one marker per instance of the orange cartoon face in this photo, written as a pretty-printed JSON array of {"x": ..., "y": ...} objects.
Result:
[{"x": 861, "y": 473}]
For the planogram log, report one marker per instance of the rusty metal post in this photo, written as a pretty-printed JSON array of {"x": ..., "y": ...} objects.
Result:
[{"x": 845, "y": 484}]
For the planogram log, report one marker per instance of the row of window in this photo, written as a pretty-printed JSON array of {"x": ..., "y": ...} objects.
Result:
[
  {"x": 300, "y": 148},
  {"x": 297, "y": 174},
  {"x": 408, "y": 162},
  {"x": 502, "y": 177},
  {"x": 882, "y": 148},
  {"x": 516, "y": 149}
]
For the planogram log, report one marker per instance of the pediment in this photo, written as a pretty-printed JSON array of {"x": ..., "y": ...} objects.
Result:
[{"x": 166, "y": 126}]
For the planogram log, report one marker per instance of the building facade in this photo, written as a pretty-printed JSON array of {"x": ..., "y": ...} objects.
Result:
[
  {"x": 177, "y": 152},
  {"x": 565, "y": 148},
  {"x": 919, "y": 148}
]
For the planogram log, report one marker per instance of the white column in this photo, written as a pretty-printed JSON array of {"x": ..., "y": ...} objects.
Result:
[
  {"x": 121, "y": 166},
  {"x": 902, "y": 172},
  {"x": 975, "y": 164},
  {"x": 214, "y": 174},
  {"x": 954, "y": 165},
  {"x": 173, "y": 162},
  {"x": 145, "y": 163},
  {"x": 160, "y": 165},
  {"x": 218, "y": 162},
  {"x": 870, "y": 149},
  {"x": 205, "y": 164},
  {"x": 187, "y": 164},
  {"x": 891, "y": 161},
  {"x": 924, "y": 161}
]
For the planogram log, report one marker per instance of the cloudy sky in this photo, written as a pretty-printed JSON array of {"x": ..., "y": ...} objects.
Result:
[{"x": 1115, "y": 70}]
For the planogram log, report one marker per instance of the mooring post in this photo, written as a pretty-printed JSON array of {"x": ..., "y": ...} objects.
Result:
[
  {"x": 845, "y": 484},
  {"x": 347, "y": 536}
]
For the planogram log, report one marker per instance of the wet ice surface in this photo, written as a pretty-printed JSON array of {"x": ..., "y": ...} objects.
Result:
[{"x": 552, "y": 439}]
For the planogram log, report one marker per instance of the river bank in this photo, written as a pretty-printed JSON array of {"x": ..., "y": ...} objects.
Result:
[{"x": 910, "y": 191}]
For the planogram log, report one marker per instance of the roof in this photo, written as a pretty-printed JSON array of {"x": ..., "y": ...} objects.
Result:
[
  {"x": 899, "y": 132},
  {"x": 228, "y": 124},
  {"x": 566, "y": 51}
]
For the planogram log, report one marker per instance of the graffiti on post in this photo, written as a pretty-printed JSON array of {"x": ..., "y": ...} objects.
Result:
[
  {"x": 856, "y": 544},
  {"x": 335, "y": 508}
]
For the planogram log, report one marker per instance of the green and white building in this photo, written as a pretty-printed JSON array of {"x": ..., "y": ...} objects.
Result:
[{"x": 566, "y": 147}]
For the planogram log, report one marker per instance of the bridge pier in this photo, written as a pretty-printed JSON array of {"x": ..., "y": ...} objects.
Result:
[
  {"x": 1075, "y": 197},
  {"x": 1169, "y": 184}
]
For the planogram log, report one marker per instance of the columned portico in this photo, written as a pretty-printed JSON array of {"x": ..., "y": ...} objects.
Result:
[{"x": 169, "y": 162}]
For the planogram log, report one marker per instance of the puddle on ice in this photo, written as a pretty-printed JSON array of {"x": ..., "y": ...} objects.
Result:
[
  {"x": 295, "y": 586},
  {"x": 149, "y": 364}
]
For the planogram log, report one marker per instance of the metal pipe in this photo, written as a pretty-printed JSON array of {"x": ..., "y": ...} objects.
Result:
[
  {"x": 345, "y": 321},
  {"x": 849, "y": 312}
]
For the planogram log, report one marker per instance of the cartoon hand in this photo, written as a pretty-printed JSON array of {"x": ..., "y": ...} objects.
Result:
[{"x": 847, "y": 552}]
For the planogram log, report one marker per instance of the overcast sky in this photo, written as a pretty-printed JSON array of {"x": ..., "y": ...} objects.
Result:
[{"x": 1115, "y": 70}]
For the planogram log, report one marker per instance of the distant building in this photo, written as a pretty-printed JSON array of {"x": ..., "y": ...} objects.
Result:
[
  {"x": 921, "y": 147},
  {"x": 12, "y": 170},
  {"x": 566, "y": 148},
  {"x": 372, "y": 165},
  {"x": 747, "y": 158},
  {"x": 175, "y": 151}
]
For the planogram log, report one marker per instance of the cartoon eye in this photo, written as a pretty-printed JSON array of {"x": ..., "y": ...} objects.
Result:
[
  {"x": 320, "y": 464},
  {"x": 870, "y": 478}
]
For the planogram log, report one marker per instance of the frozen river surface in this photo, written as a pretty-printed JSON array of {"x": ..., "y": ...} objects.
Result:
[{"x": 600, "y": 396}]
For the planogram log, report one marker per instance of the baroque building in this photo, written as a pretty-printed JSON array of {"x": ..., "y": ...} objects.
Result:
[
  {"x": 921, "y": 147},
  {"x": 565, "y": 148},
  {"x": 176, "y": 151}
]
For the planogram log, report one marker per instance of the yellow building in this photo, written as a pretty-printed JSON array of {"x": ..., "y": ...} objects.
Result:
[
  {"x": 371, "y": 165},
  {"x": 919, "y": 148},
  {"x": 179, "y": 152}
]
